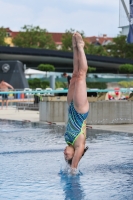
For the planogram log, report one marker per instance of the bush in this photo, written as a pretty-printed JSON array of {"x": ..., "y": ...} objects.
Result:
[
  {"x": 34, "y": 83},
  {"x": 126, "y": 84},
  {"x": 45, "y": 84},
  {"x": 91, "y": 69},
  {"x": 98, "y": 85},
  {"x": 46, "y": 67},
  {"x": 59, "y": 84},
  {"x": 126, "y": 68},
  {"x": 37, "y": 83}
]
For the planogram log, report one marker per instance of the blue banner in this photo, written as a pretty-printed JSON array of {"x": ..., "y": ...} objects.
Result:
[{"x": 130, "y": 34}]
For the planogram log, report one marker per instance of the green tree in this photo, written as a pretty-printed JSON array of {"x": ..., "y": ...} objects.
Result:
[
  {"x": 67, "y": 39},
  {"x": 120, "y": 48},
  {"x": 46, "y": 67},
  {"x": 2, "y": 36},
  {"x": 126, "y": 68},
  {"x": 129, "y": 51},
  {"x": 34, "y": 37},
  {"x": 95, "y": 50}
]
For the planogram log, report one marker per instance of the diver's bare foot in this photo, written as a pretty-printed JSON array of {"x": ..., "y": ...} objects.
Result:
[
  {"x": 79, "y": 41},
  {"x": 74, "y": 43}
]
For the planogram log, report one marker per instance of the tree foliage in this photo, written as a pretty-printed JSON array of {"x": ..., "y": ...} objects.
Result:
[
  {"x": 89, "y": 48},
  {"x": 126, "y": 68},
  {"x": 95, "y": 50},
  {"x": 60, "y": 84},
  {"x": 91, "y": 69},
  {"x": 2, "y": 36},
  {"x": 46, "y": 67},
  {"x": 120, "y": 48},
  {"x": 34, "y": 37},
  {"x": 67, "y": 39}
]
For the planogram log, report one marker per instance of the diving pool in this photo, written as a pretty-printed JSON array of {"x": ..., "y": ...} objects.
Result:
[{"x": 32, "y": 165}]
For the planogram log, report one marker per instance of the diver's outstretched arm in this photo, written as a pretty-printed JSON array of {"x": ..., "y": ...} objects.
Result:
[{"x": 77, "y": 156}]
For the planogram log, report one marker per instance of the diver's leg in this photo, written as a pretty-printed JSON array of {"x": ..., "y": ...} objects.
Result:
[
  {"x": 75, "y": 71},
  {"x": 80, "y": 93},
  {"x": 6, "y": 103}
]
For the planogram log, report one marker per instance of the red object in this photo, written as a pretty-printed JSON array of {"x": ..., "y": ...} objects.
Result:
[
  {"x": 110, "y": 97},
  {"x": 22, "y": 96},
  {"x": 117, "y": 91}
]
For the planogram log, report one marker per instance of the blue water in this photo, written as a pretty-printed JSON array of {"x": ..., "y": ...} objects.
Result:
[{"x": 32, "y": 165}]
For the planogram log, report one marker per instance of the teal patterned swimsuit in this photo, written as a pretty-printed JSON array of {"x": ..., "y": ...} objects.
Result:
[{"x": 76, "y": 121}]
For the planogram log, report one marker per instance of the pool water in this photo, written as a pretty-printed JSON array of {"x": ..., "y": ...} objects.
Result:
[{"x": 32, "y": 165}]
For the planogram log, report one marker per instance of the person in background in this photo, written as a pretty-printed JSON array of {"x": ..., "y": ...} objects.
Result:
[
  {"x": 4, "y": 86},
  {"x": 68, "y": 78},
  {"x": 75, "y": 134},
  {"x": 117, "y": 93}
]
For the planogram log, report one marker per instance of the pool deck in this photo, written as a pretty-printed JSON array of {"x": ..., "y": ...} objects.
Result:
[{"x": 33, "y": 116}]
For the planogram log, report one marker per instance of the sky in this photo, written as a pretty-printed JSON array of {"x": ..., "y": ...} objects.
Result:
[{"x": 94, "y": 18}]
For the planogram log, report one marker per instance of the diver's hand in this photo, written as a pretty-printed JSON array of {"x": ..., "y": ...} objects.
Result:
[{"x": 73, "y": 171}]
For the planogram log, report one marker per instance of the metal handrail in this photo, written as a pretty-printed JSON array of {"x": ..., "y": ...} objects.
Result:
[{"x": 61, "y": 91}]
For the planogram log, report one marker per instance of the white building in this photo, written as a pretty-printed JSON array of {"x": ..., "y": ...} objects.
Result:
[{"x": 123, "y": 19}]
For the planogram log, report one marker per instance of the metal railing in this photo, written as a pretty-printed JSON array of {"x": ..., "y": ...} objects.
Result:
[
  {"x": 29, "y": 99},
  {"x": 49, "y": 92}
]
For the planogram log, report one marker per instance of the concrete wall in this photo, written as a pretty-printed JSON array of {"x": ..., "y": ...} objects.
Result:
[
  {"x": 111, "y": 112},
  {"x": 101, "y": 112},
  {"x": 53, "y": 109}
]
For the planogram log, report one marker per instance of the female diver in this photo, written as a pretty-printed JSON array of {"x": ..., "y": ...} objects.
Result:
[{"x": 78, "y": 110}]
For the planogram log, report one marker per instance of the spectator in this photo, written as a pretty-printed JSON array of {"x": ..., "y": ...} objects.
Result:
[
  {"x": 68, "y": 78},
  {"x": 110, "y": 97},
  {"x": 4, "y": 87},
  {"x": 117, "y": 93}
]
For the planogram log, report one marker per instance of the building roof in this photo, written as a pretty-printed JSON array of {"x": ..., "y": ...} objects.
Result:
[
  {"x": 13, "y": 33},
  {"x": 57, "y": 37},
  {"x": 100, "y": 39}
]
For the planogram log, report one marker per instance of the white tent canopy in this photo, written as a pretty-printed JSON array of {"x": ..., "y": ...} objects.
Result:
[
  {"x": 33, "y": 73},
  {"x": 30, "y": 72}
]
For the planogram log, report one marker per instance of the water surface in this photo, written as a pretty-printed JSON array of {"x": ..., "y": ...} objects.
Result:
[{"x": 32, "y": 165}]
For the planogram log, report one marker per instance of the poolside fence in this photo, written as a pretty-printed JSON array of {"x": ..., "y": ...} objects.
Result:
[{"x": 52, "y": 105}]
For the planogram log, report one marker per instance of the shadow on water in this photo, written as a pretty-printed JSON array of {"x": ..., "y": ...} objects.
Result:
[{"x": 72, "y": 187}]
